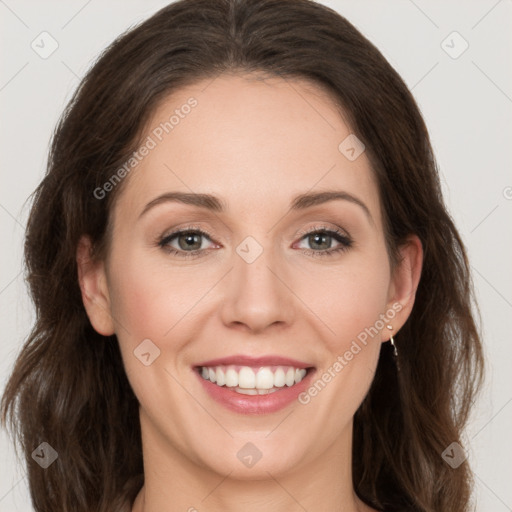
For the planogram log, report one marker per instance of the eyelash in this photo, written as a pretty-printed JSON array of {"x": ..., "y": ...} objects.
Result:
[{"x": 345, "y": 241}]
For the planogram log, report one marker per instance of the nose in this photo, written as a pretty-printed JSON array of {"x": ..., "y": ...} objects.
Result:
[{"x": 258, "y": 293}]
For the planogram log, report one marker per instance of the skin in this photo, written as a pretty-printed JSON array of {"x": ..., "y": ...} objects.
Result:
[{"x": 255, "y": 144}]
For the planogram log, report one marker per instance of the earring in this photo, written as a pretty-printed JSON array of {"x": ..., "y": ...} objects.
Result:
[{"x": 392, "y": 341}]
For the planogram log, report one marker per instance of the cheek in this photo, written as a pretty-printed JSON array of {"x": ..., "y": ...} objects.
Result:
[
  {"x": 148, "y": 299},
  {"x": 348, "y": 300},
  {"x": 151, "y": 302},
  {"x": 354, "y": 308},
  {"x": 364, "y": 300}
]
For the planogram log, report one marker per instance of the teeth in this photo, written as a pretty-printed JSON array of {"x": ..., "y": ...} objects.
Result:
[
  {"x": 246, "y": 378},
  {"x": 244, "y": 391},
  {"x": 290, "y": 377},
  {"x": 231, "y": 378},
  {"x": 279, "y": 378},
  {"x": 220, "y": 377},
  {"x": 266, "y": 380}
]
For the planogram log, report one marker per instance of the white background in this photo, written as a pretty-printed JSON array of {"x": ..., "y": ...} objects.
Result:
[{"x": 467, "y": 105}]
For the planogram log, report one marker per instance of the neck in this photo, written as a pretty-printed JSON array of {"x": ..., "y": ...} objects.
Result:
[{"x": 175, "y": 483}]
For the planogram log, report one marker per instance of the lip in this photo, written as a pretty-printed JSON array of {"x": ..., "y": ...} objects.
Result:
[
  {"x": 255, "y": 362},
  {"x": 256, "y": 404}
]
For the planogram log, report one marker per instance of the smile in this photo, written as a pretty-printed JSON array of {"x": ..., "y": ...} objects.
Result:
[
  {"x": 254, "y": 385},
  {"x": 253, "y": 381}
]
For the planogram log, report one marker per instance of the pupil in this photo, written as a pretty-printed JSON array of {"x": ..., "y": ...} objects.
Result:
[
  {"x": 189, "y": 241},
  {"x": 317, "y": 236}
]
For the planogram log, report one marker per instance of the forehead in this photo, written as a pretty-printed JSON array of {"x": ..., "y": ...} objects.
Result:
[{"x": 250, "y": 140}]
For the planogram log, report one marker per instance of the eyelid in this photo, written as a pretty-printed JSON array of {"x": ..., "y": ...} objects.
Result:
[
  {"x": 188, "y": 227},
  {"x": 324, "y": 227},
  {"x": 342, "y": 236},
  {"x": 301, "y": 233}
]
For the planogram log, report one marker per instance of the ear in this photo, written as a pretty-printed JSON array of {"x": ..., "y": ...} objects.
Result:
[
  {"x": 93, "y": 285},
  {"x": 404, "y": 282}
]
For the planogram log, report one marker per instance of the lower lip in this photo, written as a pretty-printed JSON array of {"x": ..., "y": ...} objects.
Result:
[{"x": 256, "y": 404}]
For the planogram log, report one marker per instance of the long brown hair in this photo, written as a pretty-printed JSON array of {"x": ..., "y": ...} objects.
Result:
[{"x": 68, "y": 386}]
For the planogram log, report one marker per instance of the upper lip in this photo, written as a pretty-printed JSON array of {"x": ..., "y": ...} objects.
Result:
[{"x": 244, "y": 360}]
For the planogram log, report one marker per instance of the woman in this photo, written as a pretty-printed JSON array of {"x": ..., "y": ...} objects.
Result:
[{"x": 276, "y": 146}]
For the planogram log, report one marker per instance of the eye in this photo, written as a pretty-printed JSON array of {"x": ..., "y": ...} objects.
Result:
[
  {"x": 320, "y": 240},
  {"x": 185, "y": 242},
  {"x": 189, "y": 242}
]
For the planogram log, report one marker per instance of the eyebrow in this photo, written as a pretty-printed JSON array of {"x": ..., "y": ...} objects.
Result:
[{"x": 215, "y": 204}]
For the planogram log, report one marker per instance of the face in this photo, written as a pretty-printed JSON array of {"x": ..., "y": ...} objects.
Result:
[{"x": 262, "y": 288}]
